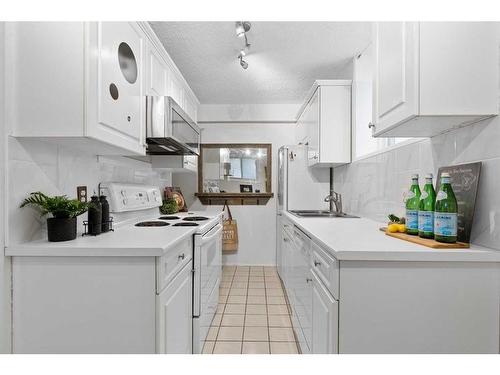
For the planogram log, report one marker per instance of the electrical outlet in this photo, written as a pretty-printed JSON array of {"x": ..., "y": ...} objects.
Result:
[{"x": 81, "y": 193}]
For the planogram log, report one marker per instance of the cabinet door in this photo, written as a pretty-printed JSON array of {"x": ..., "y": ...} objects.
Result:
[
  {"x": 324, "y": 319},
  {"x": 175, "y": 315},
  {"x": 313, "y": 127},
  {"x": 175, "y": 89},
  {"x": 191, "y": 107},
  {"x": 156, "y": 82},
  {"x": 396, "y": 73},
  {"x": 120, "y": 81}
]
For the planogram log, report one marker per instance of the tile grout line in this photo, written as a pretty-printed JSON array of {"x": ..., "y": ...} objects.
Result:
[
  {"x": 245, "y": 315},
  {"x": 222, "y": 315}
]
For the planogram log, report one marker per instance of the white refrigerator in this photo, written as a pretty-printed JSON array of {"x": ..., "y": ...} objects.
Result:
[{"x": 300, "y": 187}]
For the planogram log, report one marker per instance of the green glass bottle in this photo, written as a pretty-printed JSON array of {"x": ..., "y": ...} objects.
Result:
[
  {"x": 426, "y": 209},
  {"x": 445, "y": 217},
  {"x": 412, "y": 204}
]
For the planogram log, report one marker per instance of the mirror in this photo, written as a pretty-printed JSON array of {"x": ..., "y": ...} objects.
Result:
[{"x": 235, "y": 169}]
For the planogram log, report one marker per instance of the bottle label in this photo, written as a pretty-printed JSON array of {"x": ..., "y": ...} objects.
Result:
[
  {"x": 445, "y": 224},
  {"x": 410, "y": 195},
  {"x": 412, "y": 219},
  {"x": 441, "y": 195},
  {"x": 424, "y": 195},
  {"x": 426, "y": 221}
]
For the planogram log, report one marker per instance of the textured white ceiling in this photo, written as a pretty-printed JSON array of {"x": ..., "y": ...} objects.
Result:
[{"x": 284, "y": 60}]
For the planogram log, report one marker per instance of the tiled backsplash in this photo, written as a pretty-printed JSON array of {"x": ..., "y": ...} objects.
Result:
[
  {"x": 41, "y": 166},
  {"x": 374, "y": 186}
]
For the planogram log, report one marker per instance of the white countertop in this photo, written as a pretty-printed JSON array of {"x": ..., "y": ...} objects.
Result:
[
  {"x": 361, "y": 239},
  {"x": 126, "y": 240}
]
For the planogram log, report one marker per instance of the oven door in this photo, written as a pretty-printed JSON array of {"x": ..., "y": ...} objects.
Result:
[{"x": 207, "y": 271}]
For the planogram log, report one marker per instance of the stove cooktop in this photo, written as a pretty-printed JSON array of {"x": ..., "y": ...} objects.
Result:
[
  {"x": 195, "y": 218},
  {"x": 169, "y": 218},
  {"x": 152, "y": 224}
]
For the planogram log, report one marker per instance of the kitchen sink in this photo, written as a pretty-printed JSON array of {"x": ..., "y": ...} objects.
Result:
[{"x": 321, "y": 213}]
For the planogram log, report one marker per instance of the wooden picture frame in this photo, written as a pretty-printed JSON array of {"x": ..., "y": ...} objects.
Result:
[{"x": 242, "y": 198}]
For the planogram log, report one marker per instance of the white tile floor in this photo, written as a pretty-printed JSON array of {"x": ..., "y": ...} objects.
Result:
[{"x": 252, "y": 317}]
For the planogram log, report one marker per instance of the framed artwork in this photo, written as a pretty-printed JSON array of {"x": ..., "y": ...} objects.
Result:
[
  {"x": 246, "y": 188},
  {"x": 464, "y": 181},
  {"x": 176, "y": 193}
]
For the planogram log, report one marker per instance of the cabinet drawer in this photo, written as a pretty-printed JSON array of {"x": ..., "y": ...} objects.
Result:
[
  {"x": 168, "y": 265},
  {"x": 326, "y": 267}
]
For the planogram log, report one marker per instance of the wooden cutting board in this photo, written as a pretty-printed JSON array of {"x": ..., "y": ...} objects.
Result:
[{"x": 425, "y": 241}]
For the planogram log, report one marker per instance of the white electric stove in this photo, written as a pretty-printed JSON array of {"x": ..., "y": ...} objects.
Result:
[{"x": 137, "y": 206}]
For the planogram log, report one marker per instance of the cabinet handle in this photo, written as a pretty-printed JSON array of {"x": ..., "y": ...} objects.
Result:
[
  {"x": 308, "y": 280},
  {"x": 315, "y": 156},
  {"x": 182, "y": 256},
  {"x": 316, "y": 263},
  {"x": 285, "y": 239},
  {"x": 307, "y": 143},
  {"x": 371, "y": 125}
]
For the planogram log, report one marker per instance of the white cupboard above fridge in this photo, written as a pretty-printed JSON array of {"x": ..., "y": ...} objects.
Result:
[
  {"x": 83, "y": 84},
  {"x": 324, "y": 123},
  {"x": 431, "y": 77}
]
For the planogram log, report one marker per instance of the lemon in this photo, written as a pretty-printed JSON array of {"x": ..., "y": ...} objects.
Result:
[
  {"x": 401, "y": 228},
  {"x": 393, "y": 228}
]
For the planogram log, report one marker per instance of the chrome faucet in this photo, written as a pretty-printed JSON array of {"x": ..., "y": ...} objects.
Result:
[{"x": 334, "y": 198}]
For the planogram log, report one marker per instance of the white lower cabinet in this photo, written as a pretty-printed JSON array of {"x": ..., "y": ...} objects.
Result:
[
  {"x": 103, "y": 304},
  {"x": 325, "y": 315},
  {"x": 174, "y": 315},
  {"x": 368, "y": 307}
]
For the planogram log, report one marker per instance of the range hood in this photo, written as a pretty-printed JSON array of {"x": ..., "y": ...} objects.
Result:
[{"x": 169, "y": 130}]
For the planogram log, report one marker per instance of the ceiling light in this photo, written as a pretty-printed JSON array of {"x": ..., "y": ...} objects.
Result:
[
  {"x": 242, "y": 27},
  {"x": 243, "y": 63}
]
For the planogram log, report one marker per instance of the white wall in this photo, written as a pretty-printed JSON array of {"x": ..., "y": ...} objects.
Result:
[
  {"x": 4, "y": 261},
  {"x": 257, "y": 224}
]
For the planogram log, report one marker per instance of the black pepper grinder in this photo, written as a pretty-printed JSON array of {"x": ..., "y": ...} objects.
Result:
[
  {"x": 95, "y": 216},
  {"x": 105, "y": 213}
]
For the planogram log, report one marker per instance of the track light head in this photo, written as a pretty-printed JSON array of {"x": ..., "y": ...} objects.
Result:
[
  {"x": 243, "y": 63},
  {"x": 242, "y": 27}
]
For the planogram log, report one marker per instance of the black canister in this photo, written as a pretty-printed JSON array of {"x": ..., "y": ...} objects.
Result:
[
  {"x": 95, "y": 216},
  {"x": 105, "y": 213}
]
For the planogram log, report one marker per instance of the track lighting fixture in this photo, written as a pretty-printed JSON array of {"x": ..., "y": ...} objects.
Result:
[{"x": 242, "y": 27}]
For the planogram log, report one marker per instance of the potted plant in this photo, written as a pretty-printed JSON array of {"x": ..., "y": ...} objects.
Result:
[
  {"x": 62, "y": 225},
  {"x": 169, "y": 206}
]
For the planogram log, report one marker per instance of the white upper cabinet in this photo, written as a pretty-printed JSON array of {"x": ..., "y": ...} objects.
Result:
[
  {"x": 324, "y": 123},
  {"x": 119, "y": 49},
  {"x": 156, "y": 75},
  {"x": 431, "y": 77},
  {"x": 83, "y": 84},
  {"x": 191, "y": 107},
  {"x": 175, "y": 89}
]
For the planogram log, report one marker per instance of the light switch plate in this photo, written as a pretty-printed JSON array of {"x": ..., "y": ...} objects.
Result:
[{"x": 81, "y": 193}]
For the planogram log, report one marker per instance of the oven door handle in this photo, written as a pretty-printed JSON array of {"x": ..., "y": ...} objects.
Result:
[{"x": 212, "y": 234}]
